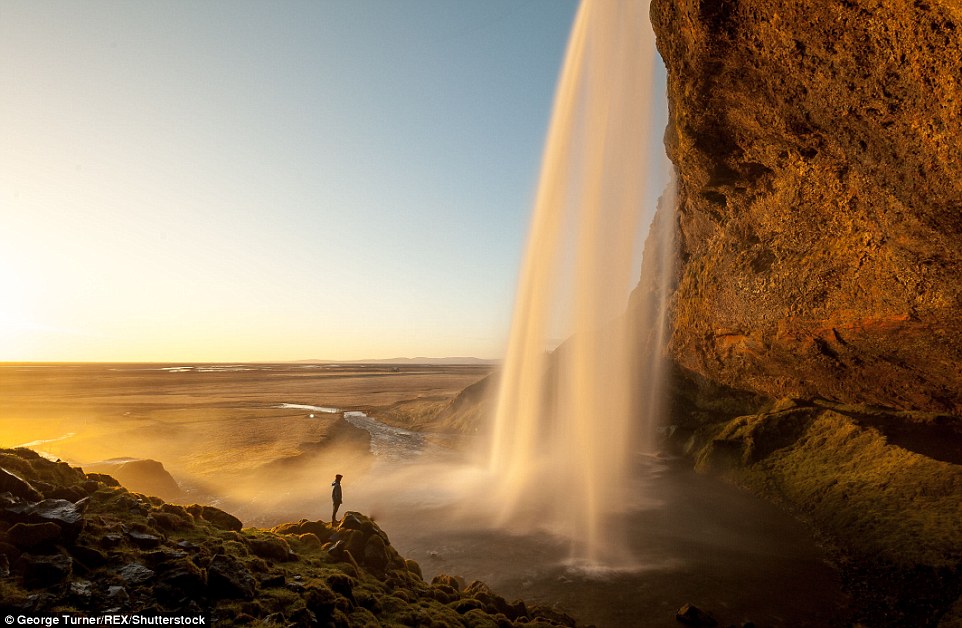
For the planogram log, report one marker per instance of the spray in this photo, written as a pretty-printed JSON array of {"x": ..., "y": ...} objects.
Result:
[{"x": 565, "y": 423}]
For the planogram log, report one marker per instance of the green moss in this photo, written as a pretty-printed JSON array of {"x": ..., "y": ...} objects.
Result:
[{"x": 877, "y": 499}]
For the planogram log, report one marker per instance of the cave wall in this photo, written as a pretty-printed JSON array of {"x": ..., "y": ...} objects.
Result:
[{"x": 818, "y": 146}]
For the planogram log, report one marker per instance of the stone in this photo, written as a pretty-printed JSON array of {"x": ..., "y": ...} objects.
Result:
[
  {"x": 180, "y": 581},
  {"x": 552, "y": 615},
  {"x": 227, "y": 577},
  {"x": 63, "y": 513},
  {"x": 45, "y": 571},
  {"x": 455, "y": 582},
  {"x": 375, "y": 557},
  {"x": 88, "y": 556},
  {"x": 31, "y": 535},
  {"x": 135, "y": 573},
  {"x": 691, "y": 615},
  {"x": 17, "y": 486},
  {"x": 413, "y": 566},
  {"x": 167, "y": 521},
  {"x": 81, "y": 590},
  {"x": 221, "y": 519},
  {"x": 117, "y": 594},
  {"x": 322, "y": 530},
  {"x": 144, "y": 540},
  {"x": 73, "y": 493},
  {"x": 271, "y": 548}
]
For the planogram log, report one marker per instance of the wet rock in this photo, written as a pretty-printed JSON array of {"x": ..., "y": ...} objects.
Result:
[
  {"x": 15, "y": 485},
  {"x": 691, "y": 615},
  {"x": 271, "y": 548},
  {"x": 45, "y": 571},
  {"x": 81, "y": 591},
  {"x": 4, "y": 566},
  {"x": 59, "y": 511},
  {"x": 160, "y": 557},
  {"x": 111, "y": 539},
  {"x": 31, "y": 535},
  {"x": 144, "y": 540},
  {"x": 117, "y": 594},
  {"x": 228, "y": 577},
  {"x": 135, "y": 573},
  {"x": 221, "y": 519}
]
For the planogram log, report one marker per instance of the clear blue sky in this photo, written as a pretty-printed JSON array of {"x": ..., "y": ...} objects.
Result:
[{"x": 231, "y": 181}]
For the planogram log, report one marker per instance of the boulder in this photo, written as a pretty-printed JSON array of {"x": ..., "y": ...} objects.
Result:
[
  {"x": 413, "y": 566},
  {"x": 135, "y": 573},
  {"x": 181, "y": 580},
  {"x": 691, "y": 615},
  {"x": 455, "y": 582},
  {"x": 88, "y": 556},
  {"x": 375, "y": 557},
  {"x": 228, "y": 577},
  {"x": 271, "y": 548},
  {"x": 31, "y": 535},
  {"x": 144, "y": 540},
  {"x": 166, "y": 521},
  {"x": 44, "y": 572},
  {"x": 220, "y": 519},
  {"x": 17, "y": 486},
  {"x": 62, "y": 512}
]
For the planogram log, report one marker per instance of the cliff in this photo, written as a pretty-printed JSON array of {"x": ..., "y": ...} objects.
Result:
[
  {"x": 815, "y": 336},
  {"x": 819, "y": 155}
]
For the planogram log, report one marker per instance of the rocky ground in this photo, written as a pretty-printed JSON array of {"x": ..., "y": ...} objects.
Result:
[{"x": 82, "y": 544}]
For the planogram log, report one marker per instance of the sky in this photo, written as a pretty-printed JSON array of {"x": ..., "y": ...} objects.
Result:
[{"x": 257, "y": 181}]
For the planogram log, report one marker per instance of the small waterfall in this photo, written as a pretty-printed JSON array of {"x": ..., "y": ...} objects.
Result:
[{"x": 567, "y": 420}]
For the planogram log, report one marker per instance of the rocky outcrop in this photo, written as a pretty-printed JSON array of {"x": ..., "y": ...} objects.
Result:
[
  {"x": 141, "y": 475},
  {"x": 819, "y": 155},
  {"x": 121, "y": 552}
]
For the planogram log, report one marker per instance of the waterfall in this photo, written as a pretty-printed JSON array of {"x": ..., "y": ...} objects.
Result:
[{"x": 567, "y": 418}]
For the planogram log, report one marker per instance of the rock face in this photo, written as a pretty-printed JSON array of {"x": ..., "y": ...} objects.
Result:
[{"x": 819, "y": 154}]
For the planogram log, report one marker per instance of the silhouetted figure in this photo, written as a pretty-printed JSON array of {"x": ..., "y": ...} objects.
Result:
[{"x": 336, "y": 496}]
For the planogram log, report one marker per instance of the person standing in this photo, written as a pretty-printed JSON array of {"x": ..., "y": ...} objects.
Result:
[{"x": 336, "y": 496}]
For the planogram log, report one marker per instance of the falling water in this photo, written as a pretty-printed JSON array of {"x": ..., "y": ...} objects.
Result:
[{"x": 566, "y": 420}]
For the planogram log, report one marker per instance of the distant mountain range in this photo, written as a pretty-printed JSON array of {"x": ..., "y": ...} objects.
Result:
[{"x": 419, "y": 360}]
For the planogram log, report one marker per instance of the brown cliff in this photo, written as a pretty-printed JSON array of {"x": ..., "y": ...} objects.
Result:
[{"x": 819, "y": 152}]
